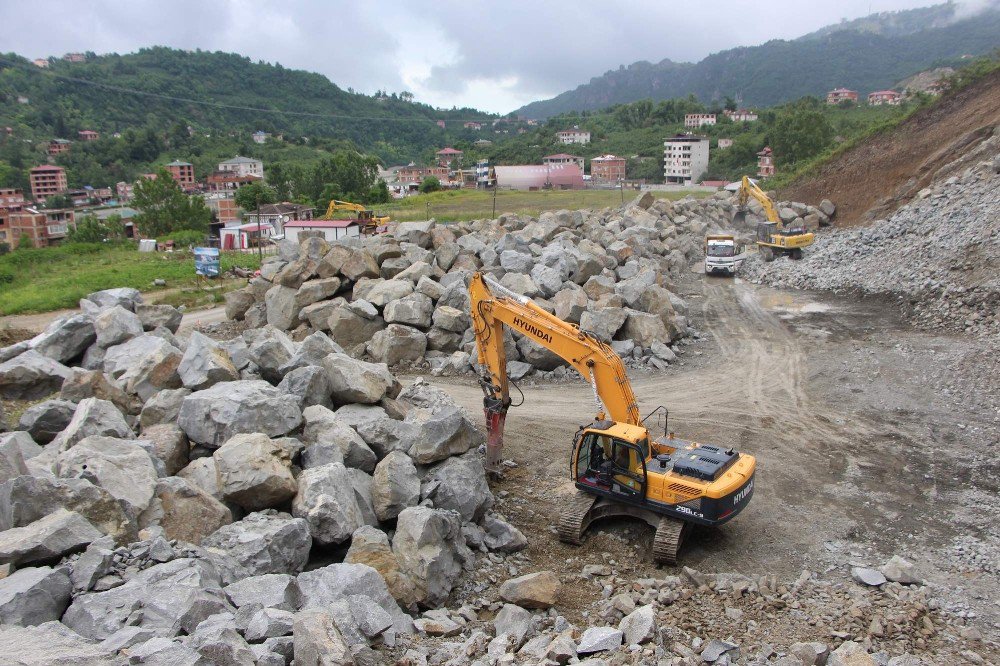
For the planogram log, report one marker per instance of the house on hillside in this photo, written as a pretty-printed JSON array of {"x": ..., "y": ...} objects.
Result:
[
  {"x": 607, "y": 169},
  {"x": 260, "y": 136},
  {"x": 765, "y": 163},
  {"x": 74, "y": 57},
  {"x": 245, "y": 236},
  {"x": 182, "y": 172},
  {"x": 243, "y": 166},
  {"x": 47, "y": 180},
  {"x": 740, "y": 115},
  {"x": 473, "y": 125},
  {"x": 575, "y": 135},
  {"x": 415, "y": 175},
  {"x": 685, "y": 158},
  {"x": 724, "y": 143},
  {"x": 880, "y": 97},
  {"x": 563, "y": 158},
  {"x": 42, "y": 228},
  {"x": 838, "y": 95},
  {"x": 482, "y": 143},
  {"x": 228, "y": 181},
  {"x": 88, "y": 135},
  {"x": 41, "y": 62},
  {"x": 696, "y": 120},
  {"x": 58, "y": 147},
  {"x": 446, "y": 156},
  {"x": 440, "y": 124}
]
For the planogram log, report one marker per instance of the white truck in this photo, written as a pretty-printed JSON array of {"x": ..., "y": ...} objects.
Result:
[{"x": 723, "y": 254}]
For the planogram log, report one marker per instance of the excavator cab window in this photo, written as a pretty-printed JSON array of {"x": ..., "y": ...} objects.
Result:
[{"x": 610, "y": 464}]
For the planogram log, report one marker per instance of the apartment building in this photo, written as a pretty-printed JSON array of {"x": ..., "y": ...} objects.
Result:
[
  {"x": 607, "y": 169},
  {"x": 765, "y": 163},
  {"x": 88, "y": 135},
  {"x": 575, "y": 135},
  {"x": 47, "y": 180},
  {"x": 243, "y": 166},
  {"x": 880, "y": 97},
  {"x": 696, "y": 120},
  {"x": 58, "y": 147},
  {"x": 838, "y": 95},
  {"x": 685, "y": 158},
  {"x": 39, "y": 228},
  {"x": 182, "y": 172},
  {"x": 563, "y": 158}
]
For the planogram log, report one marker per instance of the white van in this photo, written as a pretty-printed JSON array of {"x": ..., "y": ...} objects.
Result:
[{"x": 723, "y": 254}]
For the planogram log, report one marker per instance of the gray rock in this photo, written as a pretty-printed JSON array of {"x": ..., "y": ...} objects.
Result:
[
  {"x": 350, "y": 328},
  {"x": 310, "y": 384},
  {"x": 264, "y": 543},
  {"x": 165, "y": 652},
  {"x": 48, "y": 644},
  {"x": 548, "y": 280},
  {"x": 115, "y": 326},
  {"x": 27, "y": 499},
  {"x": 442, "y": 433},
  {"x": 322, "y": 587},
  {"x": 270, "y": 623},
  {"x": 327, "y": 502},
  {"x": 282, "y": 307},
  {"x": 47, "y": 539},
  {"x": 513, "y": 621},
  {"x": 254, "y": 472},
  {"x": 205, "y": 364},
  {"x": 12, "y": 463},
  {"x": 412, "y": 310},
  {"x": 459, "y": 484},
  {"x": 354, "y": 381},
  {"x": 599, "y": 639},
  {"x": 827, "y": 207},
  {"x": 144, "y": 365},
  {"x": 93, "y": 417},
  {"x": 313, "y": 291},
  {"x": 430, "y": 548},
  {"x": 323, "y": 428},
  {"x": 644, "y": 328},
  {"x": 47, "y": 419},
  {"x": 502, "y": 536},
  {"x": 167, "y": 598},
  {"x": 164, "y": 407},
  {"x": 900, "y": 571},
  {"x": 34, "y": 595},
  {"x": 155, "y": 316},
  {"x": 270, "y": 349},
  {"x": 535, "y": 590},
  {"x": 30, "y": 376},
  {"x": 188, "y": 513},
  {"x": 850, "y": 654},
  {"x": 66, "y": 338},
  {"x": 204, "y": 474},
  {"x": 120, "y": 466},
  {"x": 125, "y": 297},
  {"x": 317, "y": 641},
  {"x": 516, "y": 262},
  {"x": 639, "y": 626},
  {"x": 168, "y": 444},
  {"x": 279, "y": 591},
  {"x": 603, "y": 323},
  {"x": 395, "y": 485},
  {"x": 451, "y": 319},
  {"x": 386, "y": 291},
  {"x": 215, "y": 415},
  {"x": 714, "y": 649},
  {"x": 865, "y": 576},
  {"x": 397, "y": 344},
  {"x": 311, "y": 352}
]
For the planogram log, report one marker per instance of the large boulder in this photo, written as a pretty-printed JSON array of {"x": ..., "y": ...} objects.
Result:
[
  {"x": 50, "y": 643},
  {"x": 264, "y": 542},
  {"x": 459, "y": 484},
  {"x": 413, "y": 310},
  {"x": 354, "y": 381},
  {"x": 282, "y": 307},
  {"x": 115, "y": 326},
  {"x": 167, "y": 599},
  {"x": 47, "y": 539},
  {"x": 644, "y": 329},
  {"x": 82, "y": 384},
  {"x": 27, "y": 499},
  {"x": 395, "y": 485},
  {"x": 155, "y": 316},
  {"x": 441, "y": 433},
  {"x": 188, "y": 513},
  {"x": 370, "y": 546},
  {"x": 145, "y": 365},
  {"x": 12, "y": 463},
  {"x": 255, "y": 472},
  {"x": 205, "y": 364},
  {"x": 309, "y": 384},
  {"x": 120, "y": 466},
  {"x": 270, "y": 349},
  {"x": 535, "y": 590},
  {"x": 47, "y": 419},
  {"x": 164, "y": 407},
  {"x": 30, "y": 376},
  {"x": 397, "y": 344},
  {"x": 324, "y": 586},
  {"x": 430, "y": 548},
  {"x": 34, "y": 595},
  {"x": 604, "y": 323},
  {"x": 451, "y": 319},
  {"x": 359, "y": 264},
  {"x": 324, "y": 429},
  {"x": 93, "y": 417},
  {"x": 66, "y": 338},
  {"x": 125, "y": 297},
  {"x": 317, "y": 641},
  {"x": 214, "y": 415},
  {"x": 350, "y": 327},
  {"x": 168, "y": 444},
  {"x": 327, "y": 502},
  {"x": 280, "y": 591}
]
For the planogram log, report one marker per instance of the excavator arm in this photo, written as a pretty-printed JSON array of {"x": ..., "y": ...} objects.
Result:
[
  {"x": 748, "y": 189},
  {"x": 493, "y": 307}
]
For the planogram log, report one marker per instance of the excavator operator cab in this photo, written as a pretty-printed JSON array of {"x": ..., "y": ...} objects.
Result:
[
  {"x": 765, "y": 230},
  {"x": 606, "y": 460}
]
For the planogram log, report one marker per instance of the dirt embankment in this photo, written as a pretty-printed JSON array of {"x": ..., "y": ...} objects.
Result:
[{"x": 876, "y": 177}]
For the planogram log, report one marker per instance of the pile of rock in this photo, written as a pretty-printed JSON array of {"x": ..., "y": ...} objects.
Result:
[
  {"x": 401, "y": 298},
  {"x": 938, "y": 255},
  {"x": 163, "y": 497}
]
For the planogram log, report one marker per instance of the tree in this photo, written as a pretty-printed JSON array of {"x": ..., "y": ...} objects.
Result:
[
  {"x": 58, "y": 201},
  {"x": 379, "y": 193},
  {"x": 90, "y": 229},
  {"x": 164, "y": 208},
  {"x": 248, "y": 196},
  {"x": 800, "y": 134},
  {"x": 430, "y": 184}
]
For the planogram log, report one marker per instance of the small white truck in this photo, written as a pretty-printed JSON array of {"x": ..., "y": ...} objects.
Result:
[{"x": 723, "y": 254}]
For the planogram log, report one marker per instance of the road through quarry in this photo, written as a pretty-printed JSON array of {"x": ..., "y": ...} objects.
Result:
[{"x": 872, "y": 439}]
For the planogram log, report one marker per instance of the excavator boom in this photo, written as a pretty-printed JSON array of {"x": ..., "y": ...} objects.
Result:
[{"x": 493, "y": 307}]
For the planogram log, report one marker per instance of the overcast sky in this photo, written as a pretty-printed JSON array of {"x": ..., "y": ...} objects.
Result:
[{"x": 494, "y": 56}]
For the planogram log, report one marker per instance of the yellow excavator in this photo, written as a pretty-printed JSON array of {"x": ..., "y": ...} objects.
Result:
[
  {"x": 618, "y": 467},
  {"x": 369, "y": 221},
  {"x": 773, "y": 237}
]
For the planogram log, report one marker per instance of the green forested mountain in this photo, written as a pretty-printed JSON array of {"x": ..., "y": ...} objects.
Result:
[
  {"x": 68, "y": 97},
  {"x": 864, "y": 55}
]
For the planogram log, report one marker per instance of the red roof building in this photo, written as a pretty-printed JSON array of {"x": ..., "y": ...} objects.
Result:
[
  {"x": 47, "y": 180},
  {"x": 88, "y": 135},
  {"x": 880, "y": 97},
  {"x": 58, "y": 147},
  {"x": 39, "y": 228},
  {"x": 838, "y": 95},
  {"x": 182, "y": 172},
  {"x": 765, "y": 163},
  {"x": 448, "y": 155}
]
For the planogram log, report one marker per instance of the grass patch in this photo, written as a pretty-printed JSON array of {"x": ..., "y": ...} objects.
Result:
[
  {"x": 46, "y": 279},
  {"x": 460, "y": 205}
]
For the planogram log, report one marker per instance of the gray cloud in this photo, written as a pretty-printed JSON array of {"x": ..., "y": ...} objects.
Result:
[{"x": 493, "y": 56}]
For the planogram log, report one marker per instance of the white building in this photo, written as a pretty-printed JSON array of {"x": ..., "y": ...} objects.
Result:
[
  {"x": 331, "y": 229},
  {"x": 574, "y": 135},
  {"x": 260, "y": 136},
  {"x": 699, "y": 119},
  {"x": 685, "y": 158},
  {"x": 243, "y": 166}
]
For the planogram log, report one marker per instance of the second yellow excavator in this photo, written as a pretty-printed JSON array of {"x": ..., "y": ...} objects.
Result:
[
  {"x": 773, "y": 237},
  {"x": 369, "y": 221},
  {"x": 618, "y": 467}
]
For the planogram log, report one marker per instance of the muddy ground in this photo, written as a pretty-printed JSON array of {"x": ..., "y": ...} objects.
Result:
[{"x": 872, "y": 439}]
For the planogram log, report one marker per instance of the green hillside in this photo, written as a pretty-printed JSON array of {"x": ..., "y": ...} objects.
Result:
[{"x": 859, "y": 57}]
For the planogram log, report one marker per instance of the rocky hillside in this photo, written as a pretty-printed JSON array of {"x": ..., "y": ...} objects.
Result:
[
  {"x": 779, "y": 71},
  {"x": 938, "y": 254}
]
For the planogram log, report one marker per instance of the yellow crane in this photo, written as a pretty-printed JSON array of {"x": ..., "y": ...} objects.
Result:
[
  {"x": 618, "y": 467},
  {"x": 370, "y": 222},
  {"x": 773, "y": 237}
]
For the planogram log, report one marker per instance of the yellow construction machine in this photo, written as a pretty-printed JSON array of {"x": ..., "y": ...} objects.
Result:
[
  {"x": 773, "y": 237},
  {"x": 618, "y": 466},
  {"x": 369, "y": 221}
]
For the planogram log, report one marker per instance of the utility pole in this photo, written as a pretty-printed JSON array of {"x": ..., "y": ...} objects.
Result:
[
  {"x": 260, "y": 248},
  {"x": 494, "y": 201},
  {"x": 427, "y": 209},
  {"x": 621, "y": 186}
]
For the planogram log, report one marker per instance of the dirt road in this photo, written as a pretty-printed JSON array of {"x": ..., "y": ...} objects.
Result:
[{"x": 871, "y": 439}]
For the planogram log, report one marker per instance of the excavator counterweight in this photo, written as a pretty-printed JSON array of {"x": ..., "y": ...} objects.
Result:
[{"x": 618, "y": 468}]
